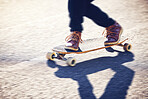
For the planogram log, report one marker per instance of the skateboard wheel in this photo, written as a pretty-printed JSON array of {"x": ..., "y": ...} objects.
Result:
[
  {"x": 50, "y": 55},
  {"x": 71, "y": 61},
  {"x": 127, "y": 47}
]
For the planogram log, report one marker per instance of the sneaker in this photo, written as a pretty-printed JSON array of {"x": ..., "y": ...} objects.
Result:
[
  {"x": 113, "y": 34},
  {"x": 73, "y": 41}
]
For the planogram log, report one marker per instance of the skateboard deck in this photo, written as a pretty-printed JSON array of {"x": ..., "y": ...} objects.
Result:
[{"x": 87, "y": 46}]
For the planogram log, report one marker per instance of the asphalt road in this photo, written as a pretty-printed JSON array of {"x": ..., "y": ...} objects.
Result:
[{"x": 31, "y": 28}]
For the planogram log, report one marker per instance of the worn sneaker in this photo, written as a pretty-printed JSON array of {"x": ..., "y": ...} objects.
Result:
[
  {"x": 113, "y": 34},
  {"x": 73, "y": 41}
]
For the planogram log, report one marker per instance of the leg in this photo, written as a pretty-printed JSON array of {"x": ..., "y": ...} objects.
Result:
[
  {"x": 76, "y": 9},
  {"x": 113, "y": 29},
  {"x": 98, "y": 16}
]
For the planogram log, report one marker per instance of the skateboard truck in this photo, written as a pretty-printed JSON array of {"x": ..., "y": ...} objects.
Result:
[{"x": 52, "y": 55}]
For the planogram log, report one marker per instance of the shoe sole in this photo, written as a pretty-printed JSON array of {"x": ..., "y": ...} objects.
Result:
[
  {"x": 70, "y": 48},
  {"x": 116, "y": 41}
]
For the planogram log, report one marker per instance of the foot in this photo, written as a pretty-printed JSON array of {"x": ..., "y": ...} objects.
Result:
[
  {"x": 113, "y": 34},
  {"x": 73, "y": 41}
]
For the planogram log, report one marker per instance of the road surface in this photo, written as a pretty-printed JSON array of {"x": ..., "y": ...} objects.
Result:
[{"x": 31, "y": 28}]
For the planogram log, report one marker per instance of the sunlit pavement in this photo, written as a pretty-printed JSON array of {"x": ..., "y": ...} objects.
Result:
[{"x": 31, "y": 28}]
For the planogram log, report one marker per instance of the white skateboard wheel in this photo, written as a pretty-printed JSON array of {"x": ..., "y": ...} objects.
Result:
[
  {"x": 51, "y": 55},
  {"x": 71, "y": 61}
]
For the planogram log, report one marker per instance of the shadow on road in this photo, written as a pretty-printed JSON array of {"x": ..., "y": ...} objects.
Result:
[{"x": 118, "y": 85}]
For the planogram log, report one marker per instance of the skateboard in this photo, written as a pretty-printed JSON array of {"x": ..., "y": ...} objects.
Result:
[{"x": 59, "y": 52}]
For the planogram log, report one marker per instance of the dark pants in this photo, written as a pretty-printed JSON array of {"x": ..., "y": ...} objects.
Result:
[{"x": 79, "y": 8}]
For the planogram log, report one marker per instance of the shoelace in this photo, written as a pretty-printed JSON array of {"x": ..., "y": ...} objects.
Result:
[
  {"x": 107, "y": 32},
  {"x": 74, "y": 36}
]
